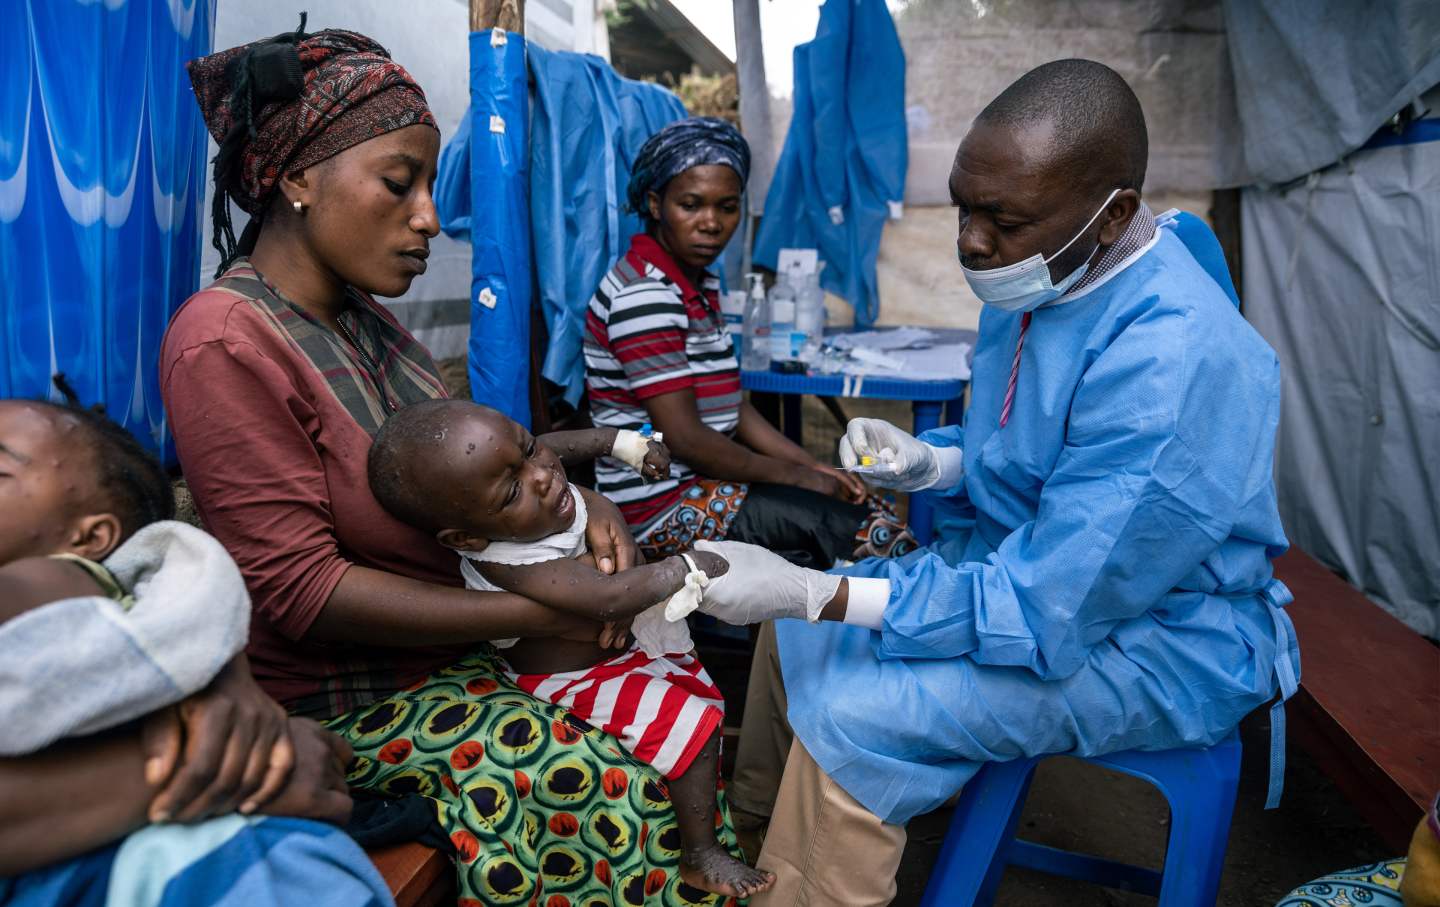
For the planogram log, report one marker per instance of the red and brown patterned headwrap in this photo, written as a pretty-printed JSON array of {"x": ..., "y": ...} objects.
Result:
[{"x": 290, "y": 102}]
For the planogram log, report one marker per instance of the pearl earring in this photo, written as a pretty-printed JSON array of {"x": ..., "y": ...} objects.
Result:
[{"x": 299, "y": 207}]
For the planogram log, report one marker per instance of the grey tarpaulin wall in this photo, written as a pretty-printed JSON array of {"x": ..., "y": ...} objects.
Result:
[
  {"x": 1342, "y": 277},
  {"x": 1341, "y": 274},
  {"x": 1314, "y": 79}
]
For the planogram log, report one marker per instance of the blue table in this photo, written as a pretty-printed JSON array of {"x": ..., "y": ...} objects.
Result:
[{"x": 934, "y": 403}]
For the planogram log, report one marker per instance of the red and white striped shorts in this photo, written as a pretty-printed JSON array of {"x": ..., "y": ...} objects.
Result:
[{"x": 662, "y": 710}]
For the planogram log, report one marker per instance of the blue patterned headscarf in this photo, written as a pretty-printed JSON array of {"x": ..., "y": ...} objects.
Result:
[{"x": 679, "y": 146}]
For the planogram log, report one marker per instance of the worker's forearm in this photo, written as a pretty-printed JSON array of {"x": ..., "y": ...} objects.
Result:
[
  {"x": 860, "y": 601},
  {"x": 373, "y": 607},
  {"x": 835, "y": 608},
  {"x": 581, "y": 446},
  {"x": 71, "y": 798}
]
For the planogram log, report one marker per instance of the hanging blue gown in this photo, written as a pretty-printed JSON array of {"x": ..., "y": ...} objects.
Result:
[
  {"x": 1101, "y": 577},
  {"x": 846, "y": 149}
]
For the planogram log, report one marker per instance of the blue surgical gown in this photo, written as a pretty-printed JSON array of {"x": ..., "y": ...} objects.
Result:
[{"x": 1101, "y": 577}]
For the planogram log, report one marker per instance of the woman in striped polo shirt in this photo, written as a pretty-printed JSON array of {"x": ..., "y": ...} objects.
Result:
[{"x": 657, "y": 352}]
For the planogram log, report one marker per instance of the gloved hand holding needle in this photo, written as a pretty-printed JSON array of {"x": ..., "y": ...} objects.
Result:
[{"x": 892, "y": 458}]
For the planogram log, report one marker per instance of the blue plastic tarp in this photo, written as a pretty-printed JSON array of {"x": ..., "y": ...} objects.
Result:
[
  {"x": 845, "y": 154},
  {"x": 102, "y": 169},
  {"x": 586, "y": 125},
  {"x": 500, "y": 224},
  {"x": 589, "y": 124}
]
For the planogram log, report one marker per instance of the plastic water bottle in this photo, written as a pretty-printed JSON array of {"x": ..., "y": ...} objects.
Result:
[
  {"x": 755, "y": 332},
  {"x": 782, "y": 320},
  {"x": 810, "y": 318},
  {"x": 732, "y": 313}
]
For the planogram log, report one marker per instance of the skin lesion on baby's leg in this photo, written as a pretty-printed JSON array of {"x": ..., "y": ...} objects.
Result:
[{"x": 704, "y": 864}]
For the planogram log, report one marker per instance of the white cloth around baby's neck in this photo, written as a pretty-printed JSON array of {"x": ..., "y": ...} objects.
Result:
[{"x": 568, "y": 543}]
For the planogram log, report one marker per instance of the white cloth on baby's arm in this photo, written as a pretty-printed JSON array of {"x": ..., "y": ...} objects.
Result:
[
  {"x": 653, "y": 632},
  {"x": 662, "y": 630},
  {"x": 81, "y": 665}
]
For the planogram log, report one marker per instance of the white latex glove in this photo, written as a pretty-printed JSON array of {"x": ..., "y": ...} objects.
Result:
[
  {"x": 761, "y": 585},
  {"x": 901, "y": 461}
]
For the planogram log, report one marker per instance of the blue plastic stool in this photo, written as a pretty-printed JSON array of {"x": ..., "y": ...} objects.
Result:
[{"x": 1198, "y": 783}]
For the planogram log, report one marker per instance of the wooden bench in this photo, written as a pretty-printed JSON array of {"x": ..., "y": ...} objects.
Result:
[
  {"x": 1368, "y": 707},
  {"x": 418, "y": 876}
]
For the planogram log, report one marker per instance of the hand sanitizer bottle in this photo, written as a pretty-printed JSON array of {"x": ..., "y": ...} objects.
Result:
[
  {"x": 810, "y": 318},
  {"x": 782, "y": 320},
  {"x": 755, "y": 342}
]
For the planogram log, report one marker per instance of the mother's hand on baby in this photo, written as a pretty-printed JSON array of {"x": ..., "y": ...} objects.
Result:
[
  {"x": 615, "y": 634},
  {"x": 608, "y": 536},
  {"x": 231, "y": 744}
]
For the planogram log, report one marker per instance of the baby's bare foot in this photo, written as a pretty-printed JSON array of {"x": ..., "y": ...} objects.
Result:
[{"x": 712, "y": 869}]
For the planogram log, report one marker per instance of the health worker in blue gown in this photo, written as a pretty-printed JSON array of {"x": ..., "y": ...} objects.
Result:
[{"x": 1101, "y": 577}]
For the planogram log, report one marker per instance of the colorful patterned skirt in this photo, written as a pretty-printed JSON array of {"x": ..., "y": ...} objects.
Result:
[
  {"x": 1375, "y": 885},
  {"x": 542, "y": 808},
  {"x": 709, "y": 509}
]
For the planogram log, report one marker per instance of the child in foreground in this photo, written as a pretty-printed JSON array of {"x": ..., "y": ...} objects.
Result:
[
  {"x": 488, "y": 489},
  {"x": 115, "y": 621},
  {"x": 87, "y": 524}
]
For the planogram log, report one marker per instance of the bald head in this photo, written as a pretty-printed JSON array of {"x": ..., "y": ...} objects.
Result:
[
  {"x": 420, "y": 457},
  {"x": 1094, "y": 121},
  {"x": 468, "y": 474}
]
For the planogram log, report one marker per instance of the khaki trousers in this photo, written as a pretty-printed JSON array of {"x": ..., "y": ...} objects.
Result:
[
  {"x": 825, "y": 849},
  {"x": 765, "y": 733}
]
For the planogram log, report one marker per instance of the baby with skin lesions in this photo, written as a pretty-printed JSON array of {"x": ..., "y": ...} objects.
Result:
[{"x": 498, "y": 496}]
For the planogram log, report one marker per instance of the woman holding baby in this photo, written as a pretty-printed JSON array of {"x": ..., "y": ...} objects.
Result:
[{"x": 276, "y": 378}]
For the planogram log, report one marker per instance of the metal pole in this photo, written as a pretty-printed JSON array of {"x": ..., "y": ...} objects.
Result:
[{"x": 754, "y": 101}]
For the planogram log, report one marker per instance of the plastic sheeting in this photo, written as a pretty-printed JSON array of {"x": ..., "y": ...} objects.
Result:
[
  {"x": 1314, "y": 79},
  {"x": 500, "y": 224},
  {"x": 1341, "y": 277},
  {"x": 587, "y": 124},
  {"x": 102, "y": 165},
  {"x": 845, "y": 154}
]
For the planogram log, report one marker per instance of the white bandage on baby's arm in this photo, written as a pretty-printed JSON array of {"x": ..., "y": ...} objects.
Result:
[
  {"x": 865, "y": 606},
  {"x": 687, "y": 598},
  {"x": 630, "y": 447}
]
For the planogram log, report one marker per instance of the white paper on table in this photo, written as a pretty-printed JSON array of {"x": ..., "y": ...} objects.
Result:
[
  {"x": 877, "y": 360},
  {"x": 898, "y": 339},
  {"x": 946, "y": 362}
]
